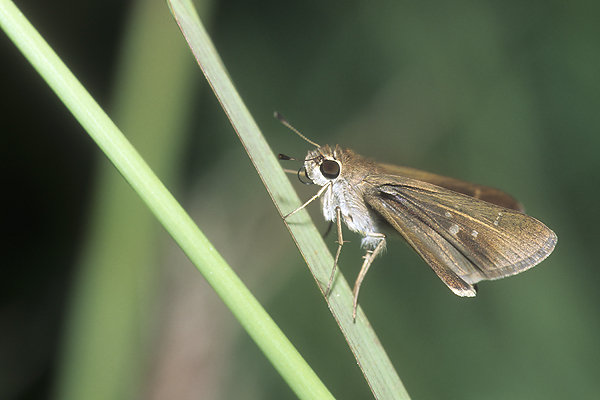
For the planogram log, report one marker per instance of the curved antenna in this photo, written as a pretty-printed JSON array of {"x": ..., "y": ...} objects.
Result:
[{"x": 285, "y": 122}]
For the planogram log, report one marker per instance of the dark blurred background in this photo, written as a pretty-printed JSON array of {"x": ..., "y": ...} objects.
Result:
[{"x": 98, "y": 302}]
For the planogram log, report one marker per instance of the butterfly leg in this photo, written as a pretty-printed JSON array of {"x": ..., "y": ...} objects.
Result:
[
  {"x": 316, "y": 196},
  {"x": 340, "y": 241},
  {"x": 369, "y": 257}
]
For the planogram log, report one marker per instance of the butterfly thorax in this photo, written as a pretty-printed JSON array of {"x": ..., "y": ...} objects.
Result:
[{"x": 346, "y": 190}]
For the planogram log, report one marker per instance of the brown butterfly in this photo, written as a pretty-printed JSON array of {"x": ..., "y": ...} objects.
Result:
[{"x": 465, "y": 232}]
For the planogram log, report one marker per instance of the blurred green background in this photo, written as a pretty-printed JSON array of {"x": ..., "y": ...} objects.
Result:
[{"x": 98, "y": 302}]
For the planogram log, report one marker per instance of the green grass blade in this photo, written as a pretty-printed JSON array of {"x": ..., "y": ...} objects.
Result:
[
  {"x": 243, "y": 305},
  {"x": 369, "y": 353},
  {"x": 109, "y": 336}
]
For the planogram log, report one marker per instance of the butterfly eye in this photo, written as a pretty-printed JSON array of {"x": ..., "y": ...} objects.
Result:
[{"x": 330, "y": 169}]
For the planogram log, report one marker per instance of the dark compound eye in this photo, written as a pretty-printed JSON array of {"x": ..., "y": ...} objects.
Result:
[{"x": 330, "y": 169}]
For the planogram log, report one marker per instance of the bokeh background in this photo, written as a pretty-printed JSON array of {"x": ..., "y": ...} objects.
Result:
[{"x": 98, "y": 302}]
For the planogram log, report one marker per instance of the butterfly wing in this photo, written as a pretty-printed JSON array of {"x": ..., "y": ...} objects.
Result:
[
  {"x": 485, "y": 193},
  {"x": 465, "y": 240}
]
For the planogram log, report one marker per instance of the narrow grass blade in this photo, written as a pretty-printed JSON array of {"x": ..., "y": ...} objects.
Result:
[
  {"x": 103, "y": 131},
  {"x": 369, "y": 353}
]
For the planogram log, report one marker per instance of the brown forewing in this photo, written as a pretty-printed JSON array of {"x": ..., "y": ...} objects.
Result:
[
  {"x": 485, "y": 193},
  {"x": 464, "y": 239}
]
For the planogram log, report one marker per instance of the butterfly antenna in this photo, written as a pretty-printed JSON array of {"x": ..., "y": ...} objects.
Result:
[{"x": 285, "y": 122}]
